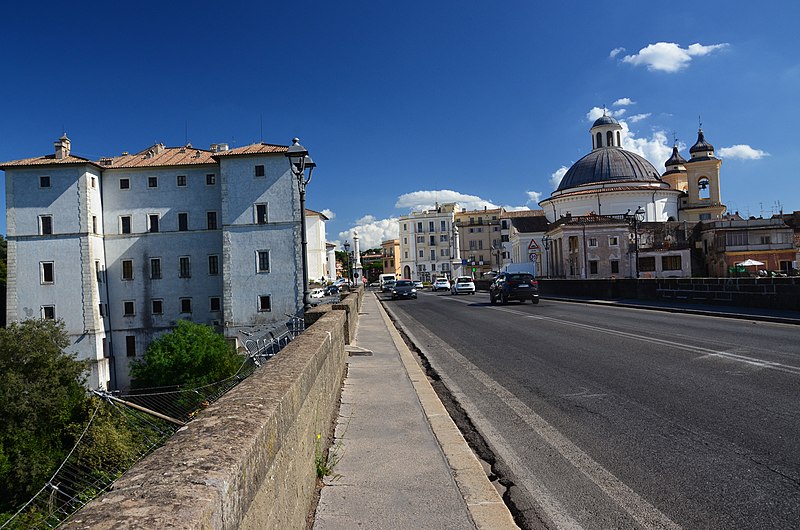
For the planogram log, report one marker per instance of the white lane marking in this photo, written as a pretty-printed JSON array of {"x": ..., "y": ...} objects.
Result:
[
  {"x": 704, "y": 352},
  {"x": 647, "y": 515}
]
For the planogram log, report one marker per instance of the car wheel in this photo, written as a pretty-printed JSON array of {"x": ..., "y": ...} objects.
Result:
[
  {"x": 534, "y": 300},
  {"x": 504, "y": 298},
  {"x": 492, "y": 299}
]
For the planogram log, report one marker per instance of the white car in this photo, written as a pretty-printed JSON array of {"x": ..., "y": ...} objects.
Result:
[
  {"x": 317, "y": 293},
  {"x": 441, "y": 284},
  {"x": 463, "y": 284}
]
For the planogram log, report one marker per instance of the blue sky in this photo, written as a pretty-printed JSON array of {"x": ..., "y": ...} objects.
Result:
[{"x": 404, "y": 104}]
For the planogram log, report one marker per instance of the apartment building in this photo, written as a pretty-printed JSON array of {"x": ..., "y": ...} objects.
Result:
[
  {"x": 480, "y": 240},
  {"x": 390, "y": 251},
  {"x": 428, "y": 248},
  {"x": 122, "y": 248}
]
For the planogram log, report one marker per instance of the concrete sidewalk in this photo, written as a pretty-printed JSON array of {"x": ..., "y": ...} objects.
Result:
[{"x": 403, "y": 463}]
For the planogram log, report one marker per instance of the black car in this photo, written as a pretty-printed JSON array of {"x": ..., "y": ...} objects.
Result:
[
  {"x": 404, "y": 289},
  {"x": 331, "y": 290},
  {"x": 514, "y": 286}
]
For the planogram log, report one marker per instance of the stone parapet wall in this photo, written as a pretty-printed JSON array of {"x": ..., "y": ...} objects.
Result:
[
  {"x": 248, "y": 460},
  {"x": 775, "y": 293}
]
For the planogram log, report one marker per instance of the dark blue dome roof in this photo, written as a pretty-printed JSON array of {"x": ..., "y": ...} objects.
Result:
[
  {"x": 604, "y": 120},
  {"x": 609, "y": 164}
]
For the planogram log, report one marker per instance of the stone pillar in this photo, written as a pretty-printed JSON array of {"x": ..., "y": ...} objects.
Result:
[{"x": 358, "y": 270}]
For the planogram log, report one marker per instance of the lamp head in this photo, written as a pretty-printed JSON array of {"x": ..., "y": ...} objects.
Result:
[{"x": 297, "y": 155}]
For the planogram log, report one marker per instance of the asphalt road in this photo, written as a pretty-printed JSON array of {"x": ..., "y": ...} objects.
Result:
[{"x": 610, "y": 417}]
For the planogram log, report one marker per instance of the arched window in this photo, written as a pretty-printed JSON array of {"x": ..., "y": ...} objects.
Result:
[
  {"x": 619, "y": 142},
  {"x": 703, "y": 188},
  {"x": 609, "y": 138},
  {"x": 599, "y": 140}
]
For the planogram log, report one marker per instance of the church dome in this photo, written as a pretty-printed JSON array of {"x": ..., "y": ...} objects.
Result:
[
  {"x": 702, "y": 145},
  {"x": 604, "y": 120},
  {"x": 609, "y": 164}
]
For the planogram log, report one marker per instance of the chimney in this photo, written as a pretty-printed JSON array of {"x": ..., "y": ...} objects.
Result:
[{"x": 62, "y": 147}]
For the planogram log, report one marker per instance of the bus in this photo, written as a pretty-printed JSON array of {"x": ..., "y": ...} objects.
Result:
[{"x": 384, "y": 278}]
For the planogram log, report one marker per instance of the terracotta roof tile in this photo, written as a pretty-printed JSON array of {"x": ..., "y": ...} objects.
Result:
[
  {"x": 46, "y": 160},
  {"x": 159, "y": 156},
  {"x": 254, "y": 149},
  {"x": 522, "y": 213}
]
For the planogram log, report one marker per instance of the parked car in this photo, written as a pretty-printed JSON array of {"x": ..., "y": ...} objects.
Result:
[
  {"x": 388, "y": 285},
  {"x": 418, "y": 284},
  {"x": 463, "y": 284},
  {"x": 403, "y": 289},
  {"x": 317, "y": 293},
  {"x": 441, "y": 284},
  {"x": 514, "y": 286},
  {"x": 331, "y": 290}
]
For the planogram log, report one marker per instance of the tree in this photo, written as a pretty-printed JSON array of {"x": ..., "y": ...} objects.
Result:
[
  {"x": 40, "y": 393},
  {"x": 192, "y": 355}
]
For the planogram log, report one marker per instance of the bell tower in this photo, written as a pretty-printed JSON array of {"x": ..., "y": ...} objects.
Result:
[{"x": 703, "y": 201}]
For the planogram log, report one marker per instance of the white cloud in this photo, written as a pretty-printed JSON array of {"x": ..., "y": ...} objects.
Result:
[
  {"x": 621, "y": 102},
  {"x": 638, "y": 117},
  {"x": 615, "y": 52},
  {"x": 328, "y": 213},
  {"x": 426, "y": 200},
  {"x": 534, "y": 196},
  {"x": 655, "y": 149},
  {"x": 371, "y": 232},
  {"x": 555, "y": 178},
  {"x": 516, "y": 208},
  {"x": 742, "y": 152},
  {"x": 596, "y": 112},
  {"x": 668, "y": 56}
]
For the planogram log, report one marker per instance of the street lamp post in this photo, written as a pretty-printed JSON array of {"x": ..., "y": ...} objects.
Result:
[
  {"x": 346, "y": 247},
  {"x": 546, "y": 243},
  {"x": 636, "y": 219},
  {"x": 299, "y": 161}
]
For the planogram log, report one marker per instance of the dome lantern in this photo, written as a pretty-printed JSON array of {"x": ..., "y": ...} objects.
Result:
[{"x": 605, "y": 132}]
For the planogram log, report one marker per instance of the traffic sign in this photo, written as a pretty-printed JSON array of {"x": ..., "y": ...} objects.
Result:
[
  {"x": 533, "y": 245},
  {"x": 532, "y": 257}
]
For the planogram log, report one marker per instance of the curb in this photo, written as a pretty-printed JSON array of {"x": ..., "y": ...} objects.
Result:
[{"x": 485, "y": 506}]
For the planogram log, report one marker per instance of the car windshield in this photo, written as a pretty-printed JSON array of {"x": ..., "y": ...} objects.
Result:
[
  {"x": 403, "y": 283},
  {"x": 520, "y": 277},
  {"x": 464, "y": 280}
]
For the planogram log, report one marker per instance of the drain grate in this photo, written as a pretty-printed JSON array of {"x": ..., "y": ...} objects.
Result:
[{"x": 353, "y": 351}]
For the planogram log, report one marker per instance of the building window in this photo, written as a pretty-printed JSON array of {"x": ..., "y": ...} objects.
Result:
[
  {"x": 152, "y": 220},
  {"x": 98, "y": 271},
  {"x": 213, "y": 265},
  {"x": 130, "y": 345},
  {"x": 419, "y": 226},
  {"x": 405, "y": 227},
  {"x": 430, "y": 226},
  {"x": 445, "y": 252},
  {"x": 592, "y": 241},
  {"x": 264, "y": 303},
  {"x": 215, "y": 303},
  {"x": 421, "y": 253},
  {"x": 157, "y": 307},
  {"x": 420, "y": 239},
  {"x": 260, "y": 170},
  {"x": 183, "y": 222},
  {"x": 186, "y": 305},
  {"x": 443, "y": 237},
  {"x": 212, "y": 220},
  {"x": 613, "y": 241},
  {"x": 211, "y": 179},
  {"x": 592, "y": 266},
  {"x": 765, "y": 240},
  {"x": 432, "y": 240},
  {"x": 614, "y": 266},
  {"x": 262, "y": 260},
  {"x": 45, "y": 225},
  {"x": 671, "y": 263},
  {"x": 405, "y": 241},
  {"x": 101, "y": 310},
  {"x": 47, "y": 272},
  {"x": 261, "y": 214},
  {"x": 94, "y": 224},
  {"x": 433, "y": 254},
  {"x": 49, "y": 312},
  {"x": 647, "y": 264},
  {"x": 128, "y": 308},
  {"x": 125, "y": 224},
  {"x": 181, "y": 181},
  {"x": 125, "y": 184},
  {"x": 443, "y": 226},
  {"x": 185, "y": 267},
  {"x": 44, "y": 181},
  {"x": 155, "y": 268},
  {"x": 152, "y": 182},
  {"x": 127, "y": 269}
]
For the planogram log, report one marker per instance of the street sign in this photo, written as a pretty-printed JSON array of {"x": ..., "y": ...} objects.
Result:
[
  {"x": 533, "y": 245},
  {"x": 464, "y": 261},
  {"x": 532, "y": 257}
]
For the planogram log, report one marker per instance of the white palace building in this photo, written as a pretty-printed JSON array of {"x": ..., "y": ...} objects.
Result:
[{"x": 122, "y": 248}]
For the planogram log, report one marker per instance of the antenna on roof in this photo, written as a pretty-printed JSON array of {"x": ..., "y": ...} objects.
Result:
[
  {"x": 674, "y": 138},
  {"x": 261, "y": 125},
  {"x": 185, "y": 132},
  {"x": 699, "y": 122}
]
